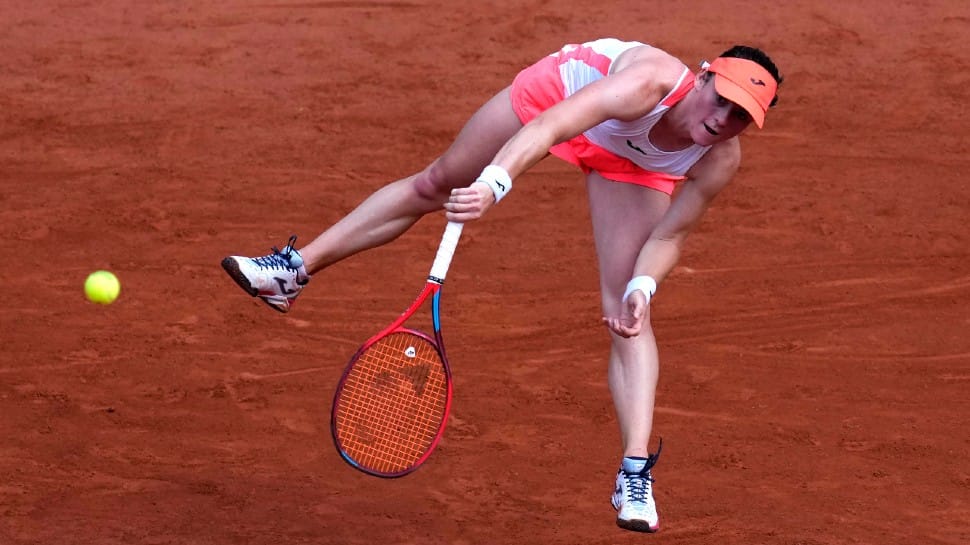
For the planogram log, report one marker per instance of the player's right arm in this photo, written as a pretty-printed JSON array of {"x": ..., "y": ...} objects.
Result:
[{"x": 642, "y": 77}]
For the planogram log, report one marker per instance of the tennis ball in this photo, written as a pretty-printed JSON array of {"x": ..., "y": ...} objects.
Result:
[{"x": 102, "y": 287}]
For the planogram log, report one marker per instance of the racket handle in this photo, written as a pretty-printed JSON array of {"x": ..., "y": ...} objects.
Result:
[{"x": 445, "y": 252}]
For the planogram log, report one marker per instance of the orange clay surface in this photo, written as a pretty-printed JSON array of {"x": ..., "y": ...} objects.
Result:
[{"x": 814, "y": 337}]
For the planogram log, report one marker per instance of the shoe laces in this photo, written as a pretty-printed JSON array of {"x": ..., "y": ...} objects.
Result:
[
  {"x": 638, "y": 485},
  {"x": 279, "y": 259}
]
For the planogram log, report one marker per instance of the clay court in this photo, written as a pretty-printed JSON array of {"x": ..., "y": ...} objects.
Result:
[{"x": 815, "y": 376}]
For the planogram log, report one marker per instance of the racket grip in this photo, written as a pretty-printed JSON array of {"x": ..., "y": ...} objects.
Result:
[{"x": 446, "y": 250}]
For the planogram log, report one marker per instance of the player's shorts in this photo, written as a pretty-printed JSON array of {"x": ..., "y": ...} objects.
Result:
[{"x": 537, "y": 88}]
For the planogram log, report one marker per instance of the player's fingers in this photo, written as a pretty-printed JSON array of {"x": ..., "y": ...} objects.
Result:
[
  {"x": 462, "y": 202},
  {"x": 478, "y": 193},
  {"x": 456, "y": 205},
  {"x": 633, "y": 329},
  {"x": 637, "y": 304},
  {"x": 461, "y": 216},
  {"x": 616, "y": 326},
  {"x": 465, "y": 194},
  {"x": 464, "y": 205}
]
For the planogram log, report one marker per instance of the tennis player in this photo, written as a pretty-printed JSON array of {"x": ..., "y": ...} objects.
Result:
[{"x": 639, "y": 123}]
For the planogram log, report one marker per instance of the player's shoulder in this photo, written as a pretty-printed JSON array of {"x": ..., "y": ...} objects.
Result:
[
  {"x": 639, "y": 78},
  {"x": 727, "y": 152},
  {"x": 719, "y": 164},
  {"x": 651, "y": 62}
]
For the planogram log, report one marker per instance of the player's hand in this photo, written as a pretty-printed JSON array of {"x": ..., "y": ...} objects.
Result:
[
  {"x": 469, "y": 203},
  {"x": 630, "y": 323}
]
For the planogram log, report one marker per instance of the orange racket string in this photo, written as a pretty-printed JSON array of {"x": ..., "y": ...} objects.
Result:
[{"x": 393, "y": 403}]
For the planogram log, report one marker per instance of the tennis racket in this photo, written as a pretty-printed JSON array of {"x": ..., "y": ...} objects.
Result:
[{"x": 391, "y": 403}]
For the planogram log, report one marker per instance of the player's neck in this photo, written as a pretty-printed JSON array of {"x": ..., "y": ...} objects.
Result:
[{"x": 671, "y": 132}]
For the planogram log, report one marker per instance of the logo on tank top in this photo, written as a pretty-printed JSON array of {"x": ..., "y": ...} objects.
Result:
[{"x": 628, "y": 143}]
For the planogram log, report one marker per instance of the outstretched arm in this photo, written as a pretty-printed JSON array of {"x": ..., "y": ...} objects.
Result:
[
  {"x": 662, "y": 250},
  {"x": 627, "y": 94}
]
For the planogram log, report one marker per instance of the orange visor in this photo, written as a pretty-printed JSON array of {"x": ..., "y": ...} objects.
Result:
[{"x": 745, "y": 83}]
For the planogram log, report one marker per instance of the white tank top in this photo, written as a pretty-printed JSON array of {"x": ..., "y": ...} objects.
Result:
[{"x": 580, "y": 65}]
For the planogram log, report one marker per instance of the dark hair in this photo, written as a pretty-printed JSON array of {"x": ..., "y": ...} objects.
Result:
[{"x": 758, "y": 56}]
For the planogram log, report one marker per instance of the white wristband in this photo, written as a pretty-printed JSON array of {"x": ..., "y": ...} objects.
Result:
[
  {"x": 646, "y": 284},
  {"x": 498, "y": 179}
]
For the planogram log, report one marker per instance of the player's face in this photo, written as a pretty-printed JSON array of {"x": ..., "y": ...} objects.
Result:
[{"x": 716, "y": 118}]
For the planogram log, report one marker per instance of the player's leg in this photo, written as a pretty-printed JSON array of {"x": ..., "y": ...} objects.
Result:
[
  {"x": 394, "y": 208},
  {"x": 623, "y": 217},
  {"x": 279, "y": 277}
]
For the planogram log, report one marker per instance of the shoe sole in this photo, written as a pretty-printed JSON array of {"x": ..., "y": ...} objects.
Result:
[
  {"x": 232, "y": 269},
  {"x": 637, "y": 526}
]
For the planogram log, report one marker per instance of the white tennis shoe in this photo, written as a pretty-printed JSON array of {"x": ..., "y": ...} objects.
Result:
[
  {"x": 277, "y": 278},
  {"x": 633, "y": 496}
]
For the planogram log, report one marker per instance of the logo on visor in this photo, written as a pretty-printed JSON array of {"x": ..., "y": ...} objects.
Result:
[{"x": 758, "y": 82}]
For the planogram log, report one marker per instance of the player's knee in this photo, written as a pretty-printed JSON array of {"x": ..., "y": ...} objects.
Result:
[{"x": 431, "y": 184}]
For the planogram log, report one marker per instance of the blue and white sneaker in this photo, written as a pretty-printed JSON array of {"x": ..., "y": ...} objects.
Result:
[
  {"x": 633, "y": 496},
  {"x": 277, "y": 278}
]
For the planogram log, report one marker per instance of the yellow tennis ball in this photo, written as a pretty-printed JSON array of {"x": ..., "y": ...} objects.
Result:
[{"x": 102, "y": 287}]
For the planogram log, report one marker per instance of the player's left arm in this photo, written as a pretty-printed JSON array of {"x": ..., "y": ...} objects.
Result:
[
  {"x": 704, "y": 182},
  {"x": 657, "y": 258}
]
